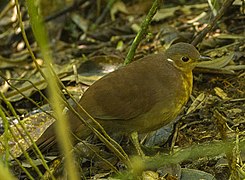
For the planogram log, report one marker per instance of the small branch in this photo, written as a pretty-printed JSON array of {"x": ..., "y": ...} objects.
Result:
[
  {"x": 214, "y": 21},
  {"x": 142, "y": 32},
  {"x": 103, "y": 15},
  {"x": 222, "y": 127}
]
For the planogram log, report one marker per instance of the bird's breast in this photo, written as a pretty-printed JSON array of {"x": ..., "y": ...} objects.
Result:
[
  {"x": 187, "y": 83},
  {"x": 167, "y": 109}
]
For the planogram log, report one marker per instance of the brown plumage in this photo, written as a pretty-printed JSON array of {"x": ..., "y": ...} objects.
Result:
[{"x": 142, "y": 96}]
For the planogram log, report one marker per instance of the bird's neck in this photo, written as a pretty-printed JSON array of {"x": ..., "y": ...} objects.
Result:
[{"x": 187, "y": 82}]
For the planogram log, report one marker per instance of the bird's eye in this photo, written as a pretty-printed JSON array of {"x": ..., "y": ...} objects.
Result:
[{"x": 185, "y": 59}]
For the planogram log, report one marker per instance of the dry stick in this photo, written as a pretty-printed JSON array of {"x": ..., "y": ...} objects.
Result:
[
  {"x": 6, "y": 135},
  {"x": 214, "y": 21},
  {"x": 4, "y": 11},
  {"x": 63, "y": 11},
  {"x": 25, "y": 138},
  {"x": 77, "y": 148},
  {"x": 51, "y": 17},
  {"x": 105, "y": 138},
  {"x": 142, "y": 31},
  {"x": 111, "y": 144},
  {"x": 231, "y": 161},
  {"x": 24, "y": 153},
  {"x": 20, "y": 92},
  {"x": 191, "y": 153},
  {"x": 222, "y": 127},
  {"x": 60, "y": 83},
  {"x": 107, "y": 8},
  {"x": 25, "y": 88},
  {"x": 19, "y": 163},
  {"x": 38, "y": 67},
  {"x": 33, "y": 57},
  {"x": 33, "y": 12},
  {"x": 36, "y": 104}
]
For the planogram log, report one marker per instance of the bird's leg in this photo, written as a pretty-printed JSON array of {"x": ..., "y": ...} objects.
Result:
[{"x": 135, "y": 141}]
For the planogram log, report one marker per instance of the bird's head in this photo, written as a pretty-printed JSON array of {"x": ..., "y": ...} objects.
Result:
[{"x": 183, "y": 56}]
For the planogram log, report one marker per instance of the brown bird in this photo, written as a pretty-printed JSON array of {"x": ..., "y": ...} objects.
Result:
[{"x": 142, "y": 96}]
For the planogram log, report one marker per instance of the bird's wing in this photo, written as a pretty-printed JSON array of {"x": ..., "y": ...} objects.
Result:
[{"x": 128, "y": 92}]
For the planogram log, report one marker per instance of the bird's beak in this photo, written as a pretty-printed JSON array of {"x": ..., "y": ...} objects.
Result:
[{"x": 204, "y": 58}]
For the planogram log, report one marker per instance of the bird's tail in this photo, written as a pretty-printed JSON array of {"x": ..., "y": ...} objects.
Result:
[{"x": 79, "y": 131}]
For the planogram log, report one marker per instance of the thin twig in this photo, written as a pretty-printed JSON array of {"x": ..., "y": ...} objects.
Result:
[
  {"x": 142, "y": 31},
  {"x": 214, "y": 21}
]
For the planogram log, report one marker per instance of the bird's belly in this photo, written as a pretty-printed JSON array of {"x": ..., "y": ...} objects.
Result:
[{"x": 157, "y": 117}]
